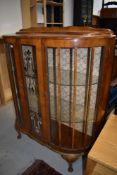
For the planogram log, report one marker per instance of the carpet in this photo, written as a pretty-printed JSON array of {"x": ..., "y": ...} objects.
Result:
[{"x": 39, "y": 167}]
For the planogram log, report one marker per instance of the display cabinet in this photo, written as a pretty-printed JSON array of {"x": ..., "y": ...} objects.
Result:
[{"x": 60, "y": 81}]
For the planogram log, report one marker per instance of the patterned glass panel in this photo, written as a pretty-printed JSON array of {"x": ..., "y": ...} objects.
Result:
[
  {"x": 31, "y": 84},
  {"x": 73, "y": 86}
]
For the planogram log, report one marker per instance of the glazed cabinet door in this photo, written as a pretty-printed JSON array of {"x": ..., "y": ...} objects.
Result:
[
  {"x": 26, "y": 75},
  {"x": 78, "y": 90},
  {"x": 34, "y": 87}
]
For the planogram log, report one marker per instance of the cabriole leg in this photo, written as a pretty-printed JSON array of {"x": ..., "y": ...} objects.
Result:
[
  {"x": 19, "y": 136},
  {"x": 70, "y": 159}
]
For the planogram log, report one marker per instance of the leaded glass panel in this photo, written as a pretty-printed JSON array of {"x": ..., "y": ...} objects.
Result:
[{"x": 29, "y": 65}]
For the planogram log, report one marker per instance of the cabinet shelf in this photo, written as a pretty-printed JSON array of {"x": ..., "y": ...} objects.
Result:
[
  {"x": 55, "y": 23},
  {"x": 51, "y": 23},
  {"x": 32, "y": 5},
  {"x": 65, "y": 111},
  {"x": 65, "y": 78},
  {"x": 52, "y": 3}
]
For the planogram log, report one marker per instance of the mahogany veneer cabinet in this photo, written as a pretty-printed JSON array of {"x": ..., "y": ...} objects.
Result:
[{"x": 60, "y": 81}]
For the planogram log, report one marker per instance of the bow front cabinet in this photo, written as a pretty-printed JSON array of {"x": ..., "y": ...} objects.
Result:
[{"x": 60, "y": 81}]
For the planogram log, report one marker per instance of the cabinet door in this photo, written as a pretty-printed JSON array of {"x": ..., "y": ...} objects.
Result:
[
  {"x": 33, "y": 71},
  {"x": 76, "y": 79}
]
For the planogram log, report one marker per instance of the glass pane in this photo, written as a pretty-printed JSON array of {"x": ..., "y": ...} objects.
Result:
[
  {"x": 14, "y": 84},
  {"x": 73, "y": 86},
  {"x": 31, "y": 85}
]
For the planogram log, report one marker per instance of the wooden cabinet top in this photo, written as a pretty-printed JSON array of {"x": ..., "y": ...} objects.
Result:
[{"x": 67, "y": 32}]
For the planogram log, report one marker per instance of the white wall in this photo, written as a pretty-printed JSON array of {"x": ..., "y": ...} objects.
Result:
[
  {"x": 68, "y": 12},
  {"x": 10, "y": 16},
  {"x": 40, "y": 16},
  {"x": 97, "y": 5}
]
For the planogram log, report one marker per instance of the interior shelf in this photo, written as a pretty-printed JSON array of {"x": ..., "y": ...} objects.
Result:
[
  {"x": 65, "y": 78},
  {"x": 54, "y": 23},
  {"x": 65, "y": 112},
  {"x": 32, "y": 5},
  {"x": 51, "y": 3}
]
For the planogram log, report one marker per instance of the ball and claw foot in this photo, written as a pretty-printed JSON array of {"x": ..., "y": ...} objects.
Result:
[
  {"x": 70, "y": 168},
  {"x": 70, "y": 159}
]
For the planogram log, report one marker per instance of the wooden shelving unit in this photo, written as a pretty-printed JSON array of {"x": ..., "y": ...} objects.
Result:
[
  {"x": 42, "y": 13},
  {"x": 51, "y": 3},
  {"x": 5, "y": 88}
]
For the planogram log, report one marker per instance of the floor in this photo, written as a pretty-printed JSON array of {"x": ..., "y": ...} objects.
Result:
[{"x": 16, "y": 155}]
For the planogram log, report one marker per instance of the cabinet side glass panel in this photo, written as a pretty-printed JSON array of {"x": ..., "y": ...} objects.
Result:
[
  {"x": 30, "y": 73},
  {"x": 14, "y": 83}
]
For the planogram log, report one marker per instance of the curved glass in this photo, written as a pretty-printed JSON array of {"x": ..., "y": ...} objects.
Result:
[
  {"x": 14, "y": 84},
  {"x": 73, "y": 82}
]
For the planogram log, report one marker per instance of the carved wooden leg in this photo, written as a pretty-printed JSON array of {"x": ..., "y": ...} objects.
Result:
[
  {"x": 18, "y": 130},
  {"x": 70, "y": 159},
  {"x": 19, "y": 136}
]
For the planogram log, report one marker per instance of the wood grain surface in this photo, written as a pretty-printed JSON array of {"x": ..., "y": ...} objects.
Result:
[{"x": 104, "y": 150}]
